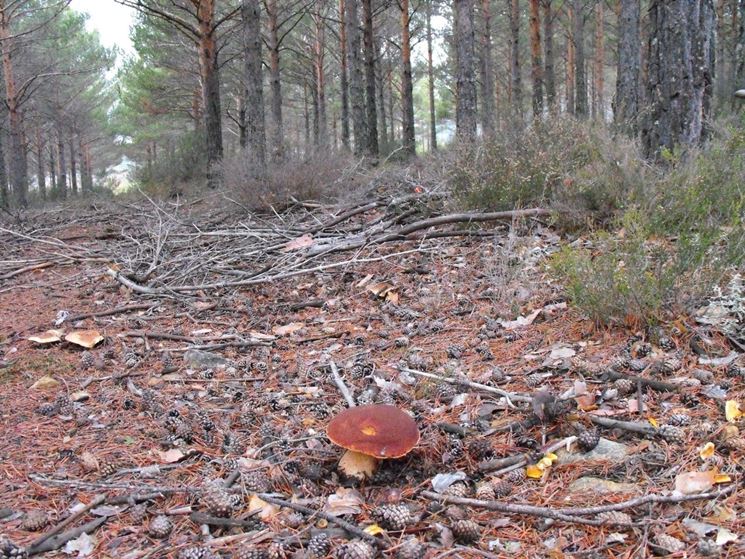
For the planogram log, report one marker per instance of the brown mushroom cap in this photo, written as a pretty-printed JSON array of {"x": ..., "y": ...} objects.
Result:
[{"x": 378, "y": 430}]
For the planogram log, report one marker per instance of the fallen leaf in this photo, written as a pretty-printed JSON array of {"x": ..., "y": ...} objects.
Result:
[
  {"x": 690, "y": 483},
  {"x": 534, "y": 471},
  {"x": 89, "y": 461},
  {"x": 82, "y": 545},
  {"x": 442, "y": 481},
  {"x": 653, "y": 422},
  {"x": 724, "y": 537},
  {"x": 300, "y": 242},
  {"x": 288, "y": 329},
  {"x": 707, "y": 451},
  {"x": 170, "y": 456},
  {"x": 374, "y": 530},
  {"x": 364, "y": 281},
  {"x": 344, "y": 501},
  {"x": 45, "y": 383},
  {"x": 732, "y": 411},
  {"x": 265, "y": 510},
  {"x": 48, "y": 337}
]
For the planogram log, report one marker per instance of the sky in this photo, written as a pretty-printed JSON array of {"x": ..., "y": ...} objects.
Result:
[{"x": 111, "y": 20}]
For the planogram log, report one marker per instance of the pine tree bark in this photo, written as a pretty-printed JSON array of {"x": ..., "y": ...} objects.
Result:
[
  {"x": 739, "y": 58},
  {"x": 73, "y": 167},
  {"x": 255, "y": 122},
  {"x": 515, "y": 75},
  {"x": 407, "y": 85},
  {"x": 536, "y": 64},
  {"x": 548, "y": 52},
  {"x": 368, "y": 40},
  {"x": 431, "y": 81},
  {"x": 570, "y": 70},
  {"x": 383, "y": 117},
  {"x": 344, "y": 77},
  {"x": 41, "y": 176},
  {"x": 319, "y": 56},
  {"x": 679, "y": 87},
  {"x": 356, "y": 79},
  {"x": 465, "y": 85},
  {"x": 4, "y": 192},
  {"x": 487, "y": 73},
  {"x": 17, "y": 148},
  {"x": 210, "y": 78},
  {"x": 277, "y": 133},
  {"x": 599, "y": 62},
  {"x": 626, "y": 102},
  {"x": 61, "y": 161},
  {"x": 52, "y": 171},
  {"x": 580, "y": 76}
]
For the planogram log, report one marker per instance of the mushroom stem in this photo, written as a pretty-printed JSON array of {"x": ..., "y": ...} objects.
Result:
[{"x": 358, "y": 465}]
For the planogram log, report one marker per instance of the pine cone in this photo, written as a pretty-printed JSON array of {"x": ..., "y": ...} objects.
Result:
[
  {"x": 457, "y": 489},
  {"x": 667, "y": 544},
  {"x": 637, "y": 365},
  {"x": 34, "y": 520},
  {"x": 735, "y": 371},
  {"x": 319, "y": 546},
  {"x": 445, "y": 391},
  {"x": 516, "y": 476},
  {"x": 64, "y": 405},
  {"x": 614, "y": 517},
  {"x": 624, "y": 386},
  {"x": 588, "y": 440},
  {"x": 679, "y": 419},
  {"x": 392, "y": 517},
  {"x": 9, "y": 550},
  {"x": 166, "y": 359},
  {"x": 666, "y": 366},
  {"x": 138, "y": 513},
  {"x": 356, "y": 549},
  {"x": 47, "y": 409},
  {"x": 665, "y": 343},
  {"x": 257, "y": 481},
  {"x": 130, "y": 359},
  {"x": 216, "y": 499},
  {"x": 87, "y": 360},
  {"x": 485, "y": 491},
  {"x": 455, "y": 351},
  {"x": 480, "y": 449},
  {"x": 466, "y": 531},
  {"x": 502, "y": 488},
  {"x": 703, "y": 376},
  {"x": 276, "y": 550},
  {"x": 250, "y": 552},
  {"x": 410, "y": 548},
  {"x": 689, "y": 400},
  {"x": 401, "y": 341},
  {"x": 160, "y": 527},
  {"x": 109, "y": 468},
  {"x": 672, "y": 434},
  {"x": 196, "y": 552},
  {"x": 534, "y": 380}
]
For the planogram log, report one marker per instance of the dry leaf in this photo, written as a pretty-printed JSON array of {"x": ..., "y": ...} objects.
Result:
[
  {"x": 534, "y": 471},
  {"x": 724, "y": 537},
  {"x": 266, "y": 510},
  {"x": 45, "y": 383},
  {"x": 384, "y": 290},
  {"x": 357, "y": 465},
  {"x": 374, "y": 530},
  {"x": 301, "y": 242},
  {"x": 344, "y": 501},
  {"x": 586, "y": 401},
  {"x": 707, "y": 451},
  {"x": 89, "y": 462},
  {"x": 653, "y": 422},
  {"x": 84, "y": 338},
  {"x": 170, "y": 456},
  {"x": 732, "y": 411},
  {"x": 48, "y": 337},
  {"x": 364, "y": 281},
  {"x": 691, "y": 483},
  {"x": 288, "y": 329}
]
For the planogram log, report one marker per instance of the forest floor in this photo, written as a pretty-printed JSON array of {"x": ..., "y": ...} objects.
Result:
[{"x": 220, "y": 336}]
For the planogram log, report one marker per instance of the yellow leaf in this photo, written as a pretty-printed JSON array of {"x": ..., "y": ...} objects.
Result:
[
  {"x": 374, "y": 530},
  {"x": 732, "y": 411},
  {"x": 544, "y": 463},
  {"x": 707, "y": 451},
  {"x": 534, "y": 472},
  {"x": 722, "y": 478},
  {"x": 653, "y": 422},
  {"x": 45, "y": 383},
  {"x": 551, "y": 456}
]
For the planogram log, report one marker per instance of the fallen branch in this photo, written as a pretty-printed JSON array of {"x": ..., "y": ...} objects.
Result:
[
  {"x": 633, "y": 426},
  {"x": 653, "y": 384},
  {"x": 342, "y": 387},
  {"x": 509, "y": 396},
  {"x": 117, "y": 310},
  {"x": 514, "y": 462},
  {"x": 59, "y": 540},
  {"x": 99, "y": 499},
  {"x": 25, "y": 269}
]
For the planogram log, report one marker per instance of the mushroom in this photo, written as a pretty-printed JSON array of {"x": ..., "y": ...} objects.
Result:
[
  {"x": 84, "y": 338},
  {"x": 371, "y": 433}
]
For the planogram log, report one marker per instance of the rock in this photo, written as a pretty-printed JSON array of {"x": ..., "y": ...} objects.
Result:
[
  {"x": 45, "y": 383},
  {"x": 599, "y": 485},
  {"x": 198, "y": 359},
  {"x": 608, "y": 451}
]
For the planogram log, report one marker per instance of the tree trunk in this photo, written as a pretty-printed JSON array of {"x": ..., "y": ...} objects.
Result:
[
  {"x": 41, "y": 176},
  {"x": 626, "y": 102},
  {"x": 721, "y": 62},
  {"x": 380, "y": 95},
  {"x": 679, "y": 83},
  {"x": 344, "y": 77},
  {"x": 369, "y": 45},
  {"x": 62, "y": 181},
  {"x": 580, "y": 77},
  {"x": 431, "y": 82},
  {"x": 85, "y": 186},
  {"x": 739, "y": 58},
  {"x": 18, "y": 161},
  {"x": 536, "y": 68},
  {"x": 465, "y": 101},
  {"x": 570, "y": 70},
  {"x": 277, "y": 134},
  {"x": 486, "y": 67},
  {"x": 407, "y": 85},
  {"x": 4, "y": 193},
  {"x": 356, "y": 87},
  {"x": 599, "y": 62},
  {"x": 73, "y": 167},
  {"x": 515, "y": 75},
  {"x": 548, "y": 48},
  {"x": 210, "y": 77},
  {"x": 242, "y": 132},
  {"x": 319, "y": 52},
  {"x": 255, "y": 124},
  {"x": 52, "y": 171}
]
